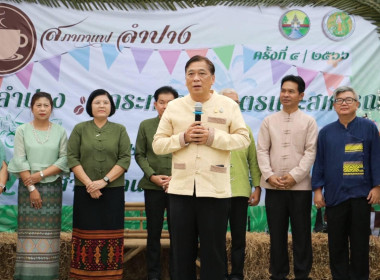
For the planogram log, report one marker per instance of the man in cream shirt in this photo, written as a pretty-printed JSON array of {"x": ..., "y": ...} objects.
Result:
[
  {"x": 286, "y": 149},
  {"x": 200, "y": 190}
]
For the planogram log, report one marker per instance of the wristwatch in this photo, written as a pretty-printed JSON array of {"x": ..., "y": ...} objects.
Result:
[
  {"x": 106, "y": 179},
  {"x": 41, "y": 174},
  {"x": 3, "y": 187}
]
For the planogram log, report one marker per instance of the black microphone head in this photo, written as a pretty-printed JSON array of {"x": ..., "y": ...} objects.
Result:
[{"x": 198, "y": 107}]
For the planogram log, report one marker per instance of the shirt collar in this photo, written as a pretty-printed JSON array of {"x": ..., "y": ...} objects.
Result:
[
  {"x": 292, "y": 114},
  {"x": 350, "y": 124}
]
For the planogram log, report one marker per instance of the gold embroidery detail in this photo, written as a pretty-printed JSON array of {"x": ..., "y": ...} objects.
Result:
[
  {"x": 353, "y": 168},
  {"x": 97, "y": 255},
  {"x": 353, "y": 147}
]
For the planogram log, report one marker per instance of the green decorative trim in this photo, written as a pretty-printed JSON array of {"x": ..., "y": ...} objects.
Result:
[{"x": 369, "y": 9}]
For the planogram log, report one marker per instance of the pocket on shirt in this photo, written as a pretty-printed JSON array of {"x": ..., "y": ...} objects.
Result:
[
  {"x": 217, "y": 120},
  {"x": 179, "y": 166},
  {"x": 219, "y": 178},
  {"x": 218, "y": 169}
]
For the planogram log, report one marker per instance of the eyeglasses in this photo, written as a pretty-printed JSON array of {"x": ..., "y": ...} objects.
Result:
[{"x": 348, "y": 100}]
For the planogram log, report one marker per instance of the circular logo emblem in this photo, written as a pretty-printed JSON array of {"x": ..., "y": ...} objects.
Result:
[
  {"x": 294, "y": 24},
  {"x": 338, "y": 25},
  {"x": 18, "y": 39}
]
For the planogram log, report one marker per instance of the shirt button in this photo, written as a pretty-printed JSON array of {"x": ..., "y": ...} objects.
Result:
[{"x": 197, "y": 172}]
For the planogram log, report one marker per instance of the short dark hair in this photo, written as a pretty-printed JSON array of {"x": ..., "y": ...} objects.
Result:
[
  {"x": 197, "y": 58},
  {"x": 96, "y": 93},
  {"x": 39, "y": 95},
  {"x": 165, "y": 89},
  {"x": 296, "y": 79}
]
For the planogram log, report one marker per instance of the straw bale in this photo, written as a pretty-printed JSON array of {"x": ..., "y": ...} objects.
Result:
[
  {"x": 256, "y": 262},
  {"x": 7, "y": 256},
  {"x": 257, "y": 257},
  {"x": 320, "y": 268},
  {"x": 374, "y": 257}
]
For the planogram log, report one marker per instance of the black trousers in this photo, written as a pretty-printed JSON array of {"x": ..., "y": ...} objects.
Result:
[
  {"x": 156, "y": 201},
  {"x": 238, "y": 225},
  {"x": 280, "y": 207},
  {"x": 348, "y": 232},
  {"x": 202, "y": 219}
]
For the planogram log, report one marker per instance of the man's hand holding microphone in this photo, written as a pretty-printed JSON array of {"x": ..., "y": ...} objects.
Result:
[{"x": 196, "y": 133}]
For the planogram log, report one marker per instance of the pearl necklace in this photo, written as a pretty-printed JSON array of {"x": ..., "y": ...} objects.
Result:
[{"x": 36, "y": 136}]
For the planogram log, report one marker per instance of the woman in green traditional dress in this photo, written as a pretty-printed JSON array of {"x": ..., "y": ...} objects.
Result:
[
  {"x": 99, "y": 153},
  {"x": 39, "y": 160},
  {"x": 3, "y": 169}
]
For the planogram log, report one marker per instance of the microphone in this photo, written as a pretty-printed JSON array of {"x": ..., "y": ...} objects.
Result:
[{"x": 198, "y": 111}]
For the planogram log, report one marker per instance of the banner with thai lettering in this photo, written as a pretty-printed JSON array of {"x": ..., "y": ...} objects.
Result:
[{"x": 69, "y": 53}]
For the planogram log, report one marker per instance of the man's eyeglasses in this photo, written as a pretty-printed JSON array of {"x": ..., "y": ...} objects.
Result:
[{"x": 348, "y": 100}]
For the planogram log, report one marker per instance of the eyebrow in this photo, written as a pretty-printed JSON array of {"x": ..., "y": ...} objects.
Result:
[{"x": 194, "y": 70}]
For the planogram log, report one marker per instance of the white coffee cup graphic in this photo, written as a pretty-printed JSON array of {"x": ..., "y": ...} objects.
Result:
[{"x": 10, "y": 43}]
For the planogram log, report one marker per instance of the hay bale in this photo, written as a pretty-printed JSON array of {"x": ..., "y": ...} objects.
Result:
[
  {"x": 7, "y": 254},
  {"x": 374, "y": 257},
  {"x": 256, "y": 260},
  {"x": 257, "y": 257},
  {"x": 65, "y": 256},
  {"x": 320, "y": 268}
]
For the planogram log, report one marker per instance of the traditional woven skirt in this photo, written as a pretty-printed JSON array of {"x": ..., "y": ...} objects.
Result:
[
  {"x": 38, "y": 243},
  {"x": 98, "y": 234}
]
